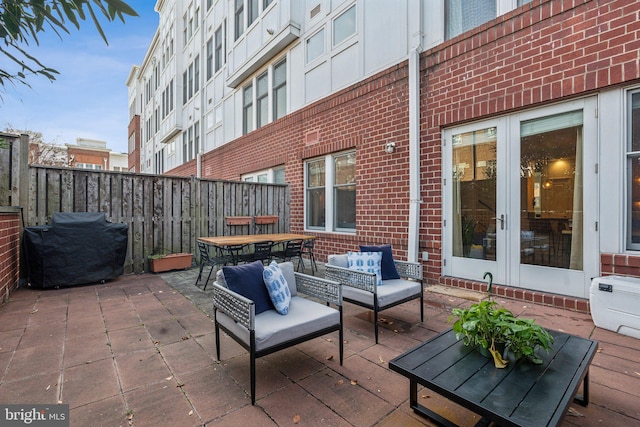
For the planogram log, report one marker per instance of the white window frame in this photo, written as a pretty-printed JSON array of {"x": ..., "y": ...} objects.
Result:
[
  {"x": 355, "y": 26},
  {"x": 630, "y": 156},
  {"x": 318, "y": 35},
  {"x": 329, "y": 190},
  {"x": 266, "y": 174}
]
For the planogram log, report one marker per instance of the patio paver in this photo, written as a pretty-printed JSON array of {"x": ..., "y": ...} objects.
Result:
[{"x": 139, "y": 351}]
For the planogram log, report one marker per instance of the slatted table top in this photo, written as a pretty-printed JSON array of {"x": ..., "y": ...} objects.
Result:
[
  {"x": 246, "y": 239},
  {"x": 523, "y": 394}
]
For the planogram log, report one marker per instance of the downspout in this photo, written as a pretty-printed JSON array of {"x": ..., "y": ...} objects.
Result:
[{"x": 414, "y": 154}]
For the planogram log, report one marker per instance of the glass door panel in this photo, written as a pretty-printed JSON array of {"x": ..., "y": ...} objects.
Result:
[
  {"x": 474, "y": 173},
  {"x": 551, "y": 191}
]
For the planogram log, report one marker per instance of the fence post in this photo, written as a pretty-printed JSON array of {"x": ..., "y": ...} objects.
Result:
[{"x": 20, "y": 187}]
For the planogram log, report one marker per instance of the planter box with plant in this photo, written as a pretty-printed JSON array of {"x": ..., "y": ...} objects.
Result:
[
  {"x": 159, "y": 263},
  {"x": 497, "y": 330}
]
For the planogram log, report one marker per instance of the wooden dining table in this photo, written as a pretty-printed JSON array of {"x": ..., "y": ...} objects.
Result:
[{"x": 247, "y": 239}]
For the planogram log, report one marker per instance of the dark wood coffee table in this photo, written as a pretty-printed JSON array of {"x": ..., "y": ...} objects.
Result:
[{"x": 523, "y": 394}]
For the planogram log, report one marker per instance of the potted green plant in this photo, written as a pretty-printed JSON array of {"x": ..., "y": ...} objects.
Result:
[
  {"x": 166, "y": 261},
  {"x": 497, "y": 330}
]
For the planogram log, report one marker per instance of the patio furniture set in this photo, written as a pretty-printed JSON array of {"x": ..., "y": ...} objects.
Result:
[{"x": 262, "y": 308}]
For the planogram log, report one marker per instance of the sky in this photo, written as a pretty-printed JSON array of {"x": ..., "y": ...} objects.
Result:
[{"x": 89, "y": 97}]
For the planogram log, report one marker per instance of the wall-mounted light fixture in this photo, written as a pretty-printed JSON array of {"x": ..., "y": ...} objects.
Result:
[{"x": 390, "y": 147}]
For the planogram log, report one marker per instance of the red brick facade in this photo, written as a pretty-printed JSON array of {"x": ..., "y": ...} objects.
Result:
[
  {"x": 134, "y": 152},
  {"x": 546, "y": 51},
  {"x": 9, "y": 252}
]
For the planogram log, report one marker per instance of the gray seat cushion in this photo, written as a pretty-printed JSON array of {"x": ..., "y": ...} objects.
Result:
[
  {"x": 304, "y": 317},
  {"x": 341, "y": 260},
  {"x": 390, "y": 292}
]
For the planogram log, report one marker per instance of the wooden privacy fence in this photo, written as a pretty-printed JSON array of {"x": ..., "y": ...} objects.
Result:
[{"x": 164, "y": 213}]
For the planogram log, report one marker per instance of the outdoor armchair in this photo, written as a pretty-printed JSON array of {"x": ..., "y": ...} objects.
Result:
[
  {"x": 263, "y": 333},
  {"x": 362, "y": 288}
]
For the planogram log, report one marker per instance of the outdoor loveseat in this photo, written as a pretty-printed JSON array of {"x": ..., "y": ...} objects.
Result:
[
  {"x": 258, "y": 325},
  {"x": 396, "y": 282}
]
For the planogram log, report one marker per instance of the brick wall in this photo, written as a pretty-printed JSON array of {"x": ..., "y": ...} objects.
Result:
[
  {"x": 366, "y": 115},
  {"x": 546, "y": 51},
  {"x": 620, "y": 264},
  {"x": 134, "y": 156},
  {"x": 9, "y": 251}
]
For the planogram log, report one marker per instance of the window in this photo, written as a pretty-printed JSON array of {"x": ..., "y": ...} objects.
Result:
[
  {"x": 337, "y": 173},
  {"x": 463, "y": 15},
  {"x": 209, "y": 58},
  {"x": 315, "y": 194},
  {"x": 185, "y": 147},
  {"x": 344, "y": 26},
  {"x": 315, "y": 46},
  {"x": 185, "y": 95},
  {"x": 344, "y": 192},
  {"x": 190, "y": 132},
  {"x": 274, "y": 176},
  {"x": 196, "y": 67},
  {"x": 184, "y": 31},
  {"x": 262, "y": 100},
  {"x": 170, "y": 96},
  {"x": 190, "y": 80},
  {"x": 280, "y": 90},
  {"x": 196, "y": 137},
  {"x": 633, "y": 171},
  {"x": 266, "y": 3},
  {"x": 252, "y": 12},
  {"x": 209, "y": 4},
  {"x": 197, "y": 18},
  {"x": 239, "y": 19},
  {"x": 247, "y": 109},
  {"x": 219, "y": 53}
]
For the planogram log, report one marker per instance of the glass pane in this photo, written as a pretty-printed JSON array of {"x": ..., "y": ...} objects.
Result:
[
  {"x": 280, "y": 74},
  {"x": 634, "y": 203},
  {"x": 315, "y": 208},
  {"x": 474, "y": 194},
  {"x": 345, "y": 207},
  {"x": 346, "y": 169},
  {"x": 315, "y": 46},
  {"x": 463, "y": 15},
  {"x": 315, "y": 174},
  {"x": 551, "y": 193},
  {"x": 635, "y": 122},
  {"x": 278, "y": 176},
  {"x": 344, "y": 26}
]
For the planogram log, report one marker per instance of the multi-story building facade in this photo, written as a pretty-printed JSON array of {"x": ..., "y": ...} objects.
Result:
[{"x": 488, "y": 136}]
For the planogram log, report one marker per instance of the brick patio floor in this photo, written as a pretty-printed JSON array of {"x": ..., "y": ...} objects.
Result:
[{"x": 139, "y": 351}]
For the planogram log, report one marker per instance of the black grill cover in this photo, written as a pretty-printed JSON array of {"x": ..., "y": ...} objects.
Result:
[{"x": 78, "y": 248}]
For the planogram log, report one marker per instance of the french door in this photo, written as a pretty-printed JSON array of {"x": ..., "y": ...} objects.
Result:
[{"x": 520, "y": 199}]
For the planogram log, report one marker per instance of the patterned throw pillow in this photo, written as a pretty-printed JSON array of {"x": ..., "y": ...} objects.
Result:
[
  {"x": 369, "y": 262},
  {"x": 388, "y": 266},
  {"x": 277, "y": 287}
]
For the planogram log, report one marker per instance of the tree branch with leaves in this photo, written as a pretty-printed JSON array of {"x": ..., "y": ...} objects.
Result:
[{"x": 22, "y": 20}]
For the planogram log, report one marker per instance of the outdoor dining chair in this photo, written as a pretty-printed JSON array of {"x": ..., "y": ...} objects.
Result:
[
  {"x": 262, "y": 251},
  {"x": 292, "y": 249},
  {"x": 219, "y": 257},
  {"x": 307, "y": 250},
  {"x": 239, "y": 253}
]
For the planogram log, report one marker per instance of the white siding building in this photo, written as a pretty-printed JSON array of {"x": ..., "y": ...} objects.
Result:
[{"x": 218, "y": 69}]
